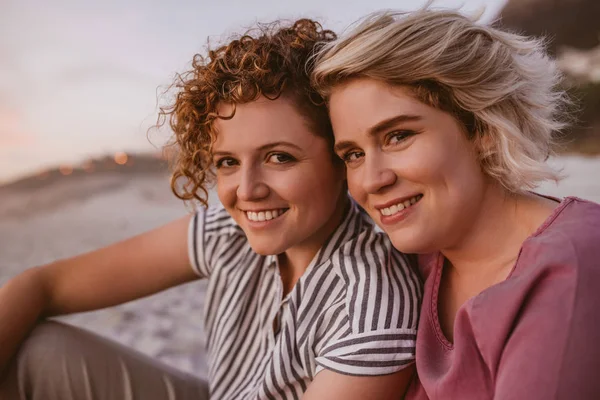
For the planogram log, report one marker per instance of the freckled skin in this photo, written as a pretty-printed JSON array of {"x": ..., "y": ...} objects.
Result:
[
  {"x": 429, "y": 155},
  {"x": 298, "y": 175}
]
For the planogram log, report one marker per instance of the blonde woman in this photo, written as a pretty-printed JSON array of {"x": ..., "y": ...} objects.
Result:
[{"x": 445, "y": 126}]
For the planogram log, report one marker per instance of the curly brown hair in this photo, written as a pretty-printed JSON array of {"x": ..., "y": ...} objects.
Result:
[{"x": 270, "y": 60}]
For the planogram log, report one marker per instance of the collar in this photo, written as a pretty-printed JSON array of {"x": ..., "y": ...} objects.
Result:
[{"x": 352, "y": 220}]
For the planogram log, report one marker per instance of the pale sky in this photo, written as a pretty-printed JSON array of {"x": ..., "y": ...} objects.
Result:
[{"x": 79, "y": 78}]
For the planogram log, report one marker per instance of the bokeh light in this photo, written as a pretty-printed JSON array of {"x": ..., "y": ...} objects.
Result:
[
  {"x": 66, "y": 169},
  {"x": 121, "y": 158}
]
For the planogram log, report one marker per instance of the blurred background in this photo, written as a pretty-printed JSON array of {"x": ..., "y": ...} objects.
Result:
[{"x": 78, "y": 92}]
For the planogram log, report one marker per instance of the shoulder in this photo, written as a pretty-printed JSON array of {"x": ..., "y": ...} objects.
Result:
[
  {"x": 570, "y": 238},
  {"x": 581, "y": 220},
  {"x": 382, "y": 287},
  {"x": 370, "y": 253},
  {"x": 557, "y": 270},
  {"x": 577, "y": 216},
  {"x": 549, "y": 302},
  {"x": 584, "y": 229},
  {"x": 376, "y": 313}
]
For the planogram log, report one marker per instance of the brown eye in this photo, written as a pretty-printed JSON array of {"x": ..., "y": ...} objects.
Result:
[
  {"x": 352, "y": 156},
  {"x": 398, "y": 136},
  {"x": 225, "y": 162},
  {"x": 280, "y": 158}
]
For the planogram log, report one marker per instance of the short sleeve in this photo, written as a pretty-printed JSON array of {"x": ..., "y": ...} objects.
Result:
[
  {"x": 376, "y": 321},
  {"x": 211, "y": 231}
]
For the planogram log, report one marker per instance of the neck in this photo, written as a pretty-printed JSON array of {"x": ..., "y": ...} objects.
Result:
[
  {"x": 491, "y": 244},
  {"x": 295, "y": 260}
]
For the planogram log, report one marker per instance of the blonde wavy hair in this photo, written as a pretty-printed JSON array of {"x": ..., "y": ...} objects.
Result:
[
  {"x": 501, "y": 86},
  {"x": 270, "y": 61}
]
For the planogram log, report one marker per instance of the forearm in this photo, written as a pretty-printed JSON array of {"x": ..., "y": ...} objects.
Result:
[
  {"x": 124, "y": 271},
  {"x": 23, "y": 301}
]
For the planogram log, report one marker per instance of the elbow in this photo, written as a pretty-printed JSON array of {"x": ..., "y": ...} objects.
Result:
[{"x": 37, "y": 288}]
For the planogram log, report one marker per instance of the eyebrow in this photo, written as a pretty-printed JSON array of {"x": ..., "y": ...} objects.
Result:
[
  {"x": 267, "y": 146},
  {"x": 380, "y": 127}
]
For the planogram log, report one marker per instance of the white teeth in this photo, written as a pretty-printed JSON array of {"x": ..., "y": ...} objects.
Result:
[
  {"x": 400, "y": 206},
  {"x": 262, "y": 216}
]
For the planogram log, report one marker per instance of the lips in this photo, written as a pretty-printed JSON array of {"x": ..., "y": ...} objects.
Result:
[
  {"x": 399, "y": 206},
  {"x": 265, "y": 215}
]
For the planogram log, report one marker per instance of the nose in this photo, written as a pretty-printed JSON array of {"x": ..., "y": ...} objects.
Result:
[
  {"x": 377, "y": 175},
  {"x": 251, "y": 186}
]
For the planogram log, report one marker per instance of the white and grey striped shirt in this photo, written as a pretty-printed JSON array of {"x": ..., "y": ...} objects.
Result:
[{"x": 354, "y": 310}]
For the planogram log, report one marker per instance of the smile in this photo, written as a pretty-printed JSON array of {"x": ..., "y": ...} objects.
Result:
[
  {"x": 396, "y": 208},
  {"x": 265, "y": 215}
]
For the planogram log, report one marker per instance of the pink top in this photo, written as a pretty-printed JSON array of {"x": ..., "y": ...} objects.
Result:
[{"x": 535, "y": 335}]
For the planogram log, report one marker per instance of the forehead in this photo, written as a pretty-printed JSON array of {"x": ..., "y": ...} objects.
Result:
[
  {"x": 261, "y": 122},
  {"x": 362, "y": 103}
]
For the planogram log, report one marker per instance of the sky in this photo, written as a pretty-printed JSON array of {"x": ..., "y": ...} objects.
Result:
[{"x": 79, "y": 78}]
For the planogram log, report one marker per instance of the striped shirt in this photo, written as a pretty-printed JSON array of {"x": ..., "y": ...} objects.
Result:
[{"x": 353, "y": 311}]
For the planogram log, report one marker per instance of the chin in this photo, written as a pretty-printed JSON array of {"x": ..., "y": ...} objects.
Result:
[
  {"x": 407, "y": 244},
  {"x": 266, "y": 247}
]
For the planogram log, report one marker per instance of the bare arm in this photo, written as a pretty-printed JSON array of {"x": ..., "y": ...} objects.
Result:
[
  {"x": 122, "y": 272},
  {"x": 332, "y": 385}
]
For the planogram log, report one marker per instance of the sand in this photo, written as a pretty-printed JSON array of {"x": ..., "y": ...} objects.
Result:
[
  {"x": 72, "y": 216},
  {"x": 75, "y": 216}
]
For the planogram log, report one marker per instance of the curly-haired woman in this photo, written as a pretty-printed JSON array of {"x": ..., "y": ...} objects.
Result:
[
  {"x": 304, "y": 298},
  {"x": 445, "y": 126}
]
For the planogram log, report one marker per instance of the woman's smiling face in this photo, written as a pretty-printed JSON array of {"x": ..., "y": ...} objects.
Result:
[
  {"x": 409, "y": 165},
  {"x": 276, "y": 177}
]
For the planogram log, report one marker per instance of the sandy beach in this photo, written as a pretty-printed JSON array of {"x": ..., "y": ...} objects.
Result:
[
  {"x": 77, "y": 215},
  {"x": 71, "y": 216}
]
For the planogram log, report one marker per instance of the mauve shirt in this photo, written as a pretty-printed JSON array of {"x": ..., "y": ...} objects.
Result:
[{"x": 535, "y": 335}]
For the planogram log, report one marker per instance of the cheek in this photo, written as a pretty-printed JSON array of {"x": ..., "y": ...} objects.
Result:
[
  {"x": 452, "y": 177},
  {"x": 314, "y": 189},
  {"x": 432, "y": 163},
  {"x": 226, "y": 190},
  {"x": 355, "y": 187},
  {"x": 457, "y": 166},
  {"x": 429, "y": 159}
]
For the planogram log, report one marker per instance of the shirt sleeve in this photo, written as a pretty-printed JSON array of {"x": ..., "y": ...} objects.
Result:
[
  {"x": 553, "y": 351},
  {"x": 375, "y": 328},
  {"x": 211, "y": 232}
]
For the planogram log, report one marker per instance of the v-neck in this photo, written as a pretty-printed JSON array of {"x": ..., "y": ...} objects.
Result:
[{"x": 439, "y": 269}]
